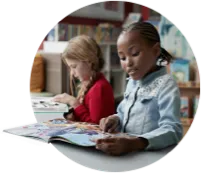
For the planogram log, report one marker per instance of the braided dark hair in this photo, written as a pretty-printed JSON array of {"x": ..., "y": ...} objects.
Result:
[{"x": 151, "y": 35}]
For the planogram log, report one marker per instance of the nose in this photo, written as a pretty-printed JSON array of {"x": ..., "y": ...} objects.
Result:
[
  {"x": 72, "y": 73},
  {"x": 129, "y": 62}
]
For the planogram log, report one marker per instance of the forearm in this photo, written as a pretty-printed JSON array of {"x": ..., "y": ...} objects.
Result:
[{"x": 75, "y": 103}]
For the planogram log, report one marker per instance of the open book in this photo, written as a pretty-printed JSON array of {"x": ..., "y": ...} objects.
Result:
[
  {"x": 78, "y": 133},
  {"x": 45, "y": 104}
]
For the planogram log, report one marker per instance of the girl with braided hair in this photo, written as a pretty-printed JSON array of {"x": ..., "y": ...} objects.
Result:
[
  {"x": 95, "y": 98},
  {"x": 149, "y": 113}
]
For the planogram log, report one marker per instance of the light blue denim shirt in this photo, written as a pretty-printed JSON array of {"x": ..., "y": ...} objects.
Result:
[{"x": 151, "y": 109}]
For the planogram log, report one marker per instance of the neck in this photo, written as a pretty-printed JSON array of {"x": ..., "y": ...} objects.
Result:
[{"x": 153, "y": 69}]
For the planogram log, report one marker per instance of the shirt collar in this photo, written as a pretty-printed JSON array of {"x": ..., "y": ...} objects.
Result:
[{"x": 150, "y": 77}]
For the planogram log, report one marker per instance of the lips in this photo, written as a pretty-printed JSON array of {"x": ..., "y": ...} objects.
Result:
[{"x": 131, "y": 72}]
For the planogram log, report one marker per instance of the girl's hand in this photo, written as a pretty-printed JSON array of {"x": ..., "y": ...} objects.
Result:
[
  {"x": 67, "y": 99},
  {"x": 110, "y": 123},
  {"x": 70, "y": 117},
  {"x": 121, "y": 145}
]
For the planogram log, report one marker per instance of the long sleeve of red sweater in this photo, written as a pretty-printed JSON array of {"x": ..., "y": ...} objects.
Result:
[{"x": 98, "y": 103}]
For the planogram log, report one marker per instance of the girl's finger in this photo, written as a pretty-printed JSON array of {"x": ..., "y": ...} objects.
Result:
[
  {"x": 112, "y": 128},
  {"x": 57, "y": 96},
  {"x": 104, "y": 147},
  {"x": 98, "y": 141},
  {"x": 98, "y": 146},
  {"x": 107, "y": 125},
  {"x": 101, "y": 124},
  {"x": 56, "y": 99},
  {"x": 106, "y": 140},
  {"x": 101, "y": 147},
  {"x": 93, "y": 140}
]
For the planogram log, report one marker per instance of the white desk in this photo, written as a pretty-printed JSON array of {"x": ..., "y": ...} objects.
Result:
[
  {"x": 42, "y": 117},
  {"x": 98, "y": 160}
]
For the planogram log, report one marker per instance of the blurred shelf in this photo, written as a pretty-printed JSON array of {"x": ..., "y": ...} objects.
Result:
[
  {"x": 186, "y": 121},
  {"x": 189, "y": 89},
  {"x": 189, "y": 85},
  {"x": 191, "y": 93}
]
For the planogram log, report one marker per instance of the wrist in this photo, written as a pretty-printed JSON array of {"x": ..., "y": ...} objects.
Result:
[
  {"x": 143, "y": 143},
  {"x": 75, "y": 103},
  {"x": 138, "y": 143}
]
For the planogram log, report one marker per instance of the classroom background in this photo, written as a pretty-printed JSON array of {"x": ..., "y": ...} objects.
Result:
[{"x": 104, "y": 21}]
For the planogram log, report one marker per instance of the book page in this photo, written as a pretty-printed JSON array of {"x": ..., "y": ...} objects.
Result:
[
  {"x": 77, "y": 137},
  {"x": 78, "y": 133},
  {"x": 38, "y": 130},
  {"x": 81, "y": 133},
  {"x": 45, "y": 104},
  {"x": 63, "y": 122}
]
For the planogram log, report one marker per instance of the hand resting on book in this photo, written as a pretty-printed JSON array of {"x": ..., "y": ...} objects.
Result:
[
  {"x": 109, "y": 124},
  {"x": 70, "y": 117}
]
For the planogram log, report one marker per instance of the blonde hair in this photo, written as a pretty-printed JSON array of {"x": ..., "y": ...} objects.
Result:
[
  {"x": 150, "y": 34},
  {"x": 84, "y": 48}
]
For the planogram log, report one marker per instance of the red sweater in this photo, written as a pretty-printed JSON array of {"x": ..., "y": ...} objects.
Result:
[{"x": 98, "y": 102}]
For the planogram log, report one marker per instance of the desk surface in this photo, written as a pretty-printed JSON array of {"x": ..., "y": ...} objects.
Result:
[{"x": 98, "y": 160}]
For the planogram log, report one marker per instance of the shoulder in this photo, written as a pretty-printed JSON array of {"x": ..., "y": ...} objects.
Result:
[
  {"x": 167, "y": 87},
  {"x": 158, "y": 84},
  {"x": 100, "y": 84},
  {"x": 164, "y": 79},
  {"x": 167, "y": 80}
]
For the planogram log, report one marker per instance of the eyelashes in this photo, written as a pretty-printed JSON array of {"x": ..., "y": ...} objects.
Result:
[
  {"x": 136, "y": 54},
  {"x": 133, "y": 55}
]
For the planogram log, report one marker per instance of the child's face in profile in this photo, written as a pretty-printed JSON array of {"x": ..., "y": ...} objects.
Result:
[
  {"x": 137, "y": 57},
  {"x": 79, "y": 69}
]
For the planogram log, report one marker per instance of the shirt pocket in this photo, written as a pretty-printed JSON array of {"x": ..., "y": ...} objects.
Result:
[
  {"x": 150, "y": 108},
  {"x": 146, "y": 99},
  {"x": 149, "y": 112}
]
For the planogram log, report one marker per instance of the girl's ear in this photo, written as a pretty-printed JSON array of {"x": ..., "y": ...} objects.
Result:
[{"x": 157, "y": 49}]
